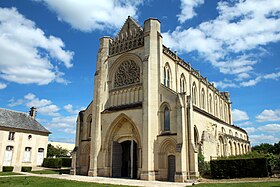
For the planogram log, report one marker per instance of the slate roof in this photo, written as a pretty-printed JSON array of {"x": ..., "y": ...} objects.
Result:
[{"x": 19, "y": 120}]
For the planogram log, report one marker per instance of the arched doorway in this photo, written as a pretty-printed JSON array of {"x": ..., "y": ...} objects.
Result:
[
  {"x": 122, "y": 148},
  {"x": 124, "y": 159},
  {"x": 167, "y": 160}
]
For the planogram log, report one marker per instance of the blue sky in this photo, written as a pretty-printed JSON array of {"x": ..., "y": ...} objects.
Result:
[{"x": 48, "y": 52}]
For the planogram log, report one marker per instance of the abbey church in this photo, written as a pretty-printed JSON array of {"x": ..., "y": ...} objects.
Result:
[{"x": 152, "y": 113}]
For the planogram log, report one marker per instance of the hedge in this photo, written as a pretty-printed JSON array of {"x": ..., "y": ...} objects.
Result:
[
  {"x": 26, "y": 168},
  {"x": 239, "y": 168},
  {"x": 8, "y": 168},
  {"x": 66, "y": 161},
  {"x": 52, "y": 162}
]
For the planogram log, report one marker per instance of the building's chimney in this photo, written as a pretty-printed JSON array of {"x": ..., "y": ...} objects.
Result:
[{"x": 33, "y": 112}]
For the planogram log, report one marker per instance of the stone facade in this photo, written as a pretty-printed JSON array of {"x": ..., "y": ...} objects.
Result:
[
  {"x": 151, "y": 112},
  {"x": 23, "y": 141}
]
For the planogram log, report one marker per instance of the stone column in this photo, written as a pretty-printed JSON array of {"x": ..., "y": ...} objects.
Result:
[{"x": 181, "y": 151}]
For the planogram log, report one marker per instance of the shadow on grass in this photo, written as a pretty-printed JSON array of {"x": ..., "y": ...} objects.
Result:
[{"x": 52, "y": 171}]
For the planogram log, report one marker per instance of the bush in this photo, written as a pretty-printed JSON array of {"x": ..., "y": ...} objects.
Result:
[
  {"x": 52, "y": 162},
  {"x": 238, "y": 168},
  {"x": 8, "y": 168},
  {"x": 203, "y": 166},
  {"x": 26, "y": 168},
  {"x": 66, "y": 161}
]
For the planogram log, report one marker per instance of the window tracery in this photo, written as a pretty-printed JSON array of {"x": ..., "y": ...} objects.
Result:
[{"x": 128, "y": 73}]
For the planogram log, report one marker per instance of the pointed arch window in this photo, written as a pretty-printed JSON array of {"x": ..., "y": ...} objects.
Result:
[
  {"x": 221, "y": 110},
  {"x": 167, "y": 76},
  {"x": 194, "y": 94},
  {"x": 210, "y": 103},
  {"x": 216, "y": 106},
  {"x": 182, "y": 84},
  {"x": 196, "y": 137},
  {"x": 226, "y": 112},
  {"x": 166, "y": 113},
  {"x": 203, "y": 98}
]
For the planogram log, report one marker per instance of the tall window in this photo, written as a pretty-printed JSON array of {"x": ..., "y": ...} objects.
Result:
[
  {"x": 226, "y": 112},
  {"x": 182, "y": 84},
  {"x": 196, "y": 138},
  {"x": 166, "y": 119},
  {"x": 221, "y": 110},
  {"x": 216, "y": 106},
  {"x": 194, "y": 93},
  {"x": 210, "y": 103},
  {"x": 167, "y": 76},
  {"x": 203, "y": 98},
  {"x": 11, "y": 136},
  {"x": 89, "y": 121},
  {"x": 27, "y": 154}
]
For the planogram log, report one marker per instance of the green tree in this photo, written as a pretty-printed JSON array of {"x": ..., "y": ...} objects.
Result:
[
  {"x": 57, "y": 151},
  {"x": 263, "y": 148}
]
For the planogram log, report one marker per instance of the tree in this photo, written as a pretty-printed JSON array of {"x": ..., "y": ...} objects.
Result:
[
  {"x": 57, "y": 151},
  {"x": 263, "y": 148}
]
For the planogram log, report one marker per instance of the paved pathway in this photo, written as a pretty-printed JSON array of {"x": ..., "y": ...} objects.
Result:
[{"x": 105, "y": 180}]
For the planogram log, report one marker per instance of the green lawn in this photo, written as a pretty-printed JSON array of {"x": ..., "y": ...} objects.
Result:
[
  {"x": 247, "y": 184},
  {"x": 52, "y": 171},
  {"x": 46, "y": 182},
  {"x": 8, "y": 173}
]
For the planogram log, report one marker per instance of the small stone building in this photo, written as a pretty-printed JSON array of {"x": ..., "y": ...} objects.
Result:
[
  {"x": 23, "y": 141},
  {"x": 152, "y": 112}
]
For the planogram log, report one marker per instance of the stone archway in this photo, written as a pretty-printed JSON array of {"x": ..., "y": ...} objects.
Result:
[
  {"x": 123, "y": 148},
  {"x": 167, "y": 159}
]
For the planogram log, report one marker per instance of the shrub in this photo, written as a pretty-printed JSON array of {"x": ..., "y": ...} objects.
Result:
[
  {"x": 26, "y": 168},
  {"x": 66, "y": 161},
  {"x": 52, "y": 162},
  {"x": 8, "y": 168},
  {"x": 203, "y": 166},
  {"x": 238, "y": 168}
]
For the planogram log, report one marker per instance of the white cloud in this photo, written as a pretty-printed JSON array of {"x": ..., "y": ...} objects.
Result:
[
  {"x": 232, "y": 49},
  {"x": 2, "y": 86},
  {"x": 69, "y": 108},
  {"x": 272, "y": 128},
  {"x": 250, "y": 130},
  {"x": 89, "y": 15},
  {"x": 44, "y": 106},
  {"x": 26, "y": 53},
  {"x": 263, "y": 138},
  {"x": 64, "y": 123},
  {"x": 242, "y": 124},
  {"x": 269, "y": 115},
  {"x": 239, "y": 115},
  {"x": 187, "y": 9},
  {"x": 50, "y": 110},
  {"x": 247, "y": 83},
  {"x": 272, "y": 76},
  {"x": 223, "y": 85}
]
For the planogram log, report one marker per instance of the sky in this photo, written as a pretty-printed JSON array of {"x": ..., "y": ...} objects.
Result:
[{"x": 48, "y": 52}]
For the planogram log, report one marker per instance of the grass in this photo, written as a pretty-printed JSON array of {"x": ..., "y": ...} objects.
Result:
[
  {"x": 52, "y": 171},
  {"x": 243, "y": 184},
  {"x": 46, "y": 182},
  {"x": 8, "y": 173}
]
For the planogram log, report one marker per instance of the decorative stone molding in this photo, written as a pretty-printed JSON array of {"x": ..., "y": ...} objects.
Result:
[{"x": 130, "y": 37}]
